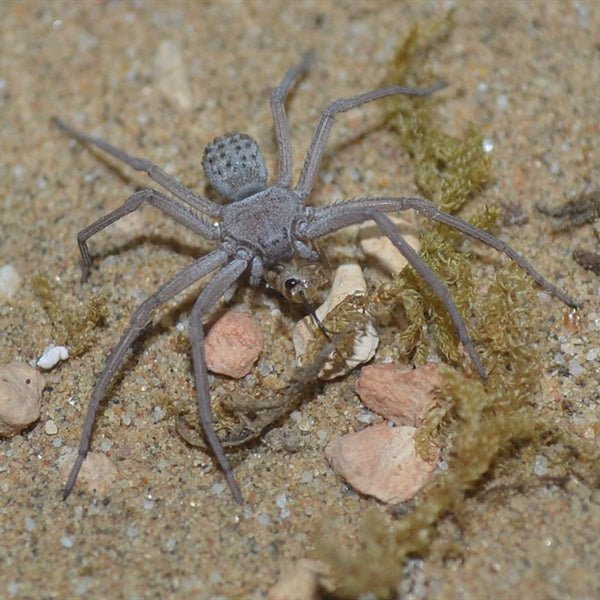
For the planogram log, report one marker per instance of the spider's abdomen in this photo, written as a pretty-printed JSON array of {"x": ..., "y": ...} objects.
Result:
[
  {"x": 264, "y": 223},
  {"x": 234, "y": 166}
]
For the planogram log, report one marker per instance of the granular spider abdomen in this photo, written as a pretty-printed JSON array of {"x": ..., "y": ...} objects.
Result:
[
  {"x": 235, "y": 166},
  {"x": 261, "y": 229}
]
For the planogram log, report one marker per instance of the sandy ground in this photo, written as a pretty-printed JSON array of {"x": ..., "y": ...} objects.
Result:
[{"x": 527, "y": 73}]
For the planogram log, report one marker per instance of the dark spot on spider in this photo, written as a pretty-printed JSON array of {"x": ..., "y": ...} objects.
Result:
[
  {"x": 291, "y": 283},
  {"x": 28, "y": 381}
]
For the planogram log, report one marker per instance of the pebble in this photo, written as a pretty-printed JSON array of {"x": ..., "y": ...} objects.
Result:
[
  {"x": 30, "y": 524},
  {"x": 575, "y": 368},
  {"x": 233, "y": 344},
  {"x": 399, "y": 394},
  {"x": 385, "y": 260},
  {"x": 50, "y": 428},
  {"x": 21, "y": 389},
  {"x": 97, "y": 472},
  {"x": 263, "y": 519},
  {"x": 381, "y": 461},
  {"x": 348, "y": 280},
  {"x": 302, "y": 580},
  {"x": 66, "y": 541},
  {"x": 171, "y": 75},
  {"x": 540, "y": 465},
  {"x": 10, "y": 282},
  {"x": 51, "y": 356}
]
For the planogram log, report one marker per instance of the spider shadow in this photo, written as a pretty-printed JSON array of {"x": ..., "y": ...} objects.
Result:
[{"x": 177, "y": 246}]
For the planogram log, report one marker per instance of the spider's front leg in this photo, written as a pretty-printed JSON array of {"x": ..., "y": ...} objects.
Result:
[
  {"x": 331, "y": 218},
  {"x": 139, "y": 320},
  {"x": 208, "y": 297}
]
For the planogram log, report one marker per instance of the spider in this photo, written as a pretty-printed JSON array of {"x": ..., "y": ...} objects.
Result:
[{"x": 258, "y": 230}]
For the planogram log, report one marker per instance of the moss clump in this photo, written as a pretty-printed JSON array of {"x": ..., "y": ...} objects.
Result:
[{"x": 73, "y": 327}]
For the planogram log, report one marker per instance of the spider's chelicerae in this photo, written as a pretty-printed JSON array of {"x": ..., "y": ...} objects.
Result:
[{"x": 260, "y": 228}]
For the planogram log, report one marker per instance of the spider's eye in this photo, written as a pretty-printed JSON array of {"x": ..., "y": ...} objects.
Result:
[
  {"x": 234, "y": 166},
  {"x": 290, "y": 283}
]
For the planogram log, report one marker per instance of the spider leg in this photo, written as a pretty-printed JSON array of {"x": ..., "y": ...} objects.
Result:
[
  {"x": 169, "y": 206},
  {"x": 420, "y": 266},
  {"x": 141, "y": 164},
  {"x": 282, "y": 130},
  {"x": 139, "y": 319},
  {"x": 210, "y": 294},
  {"x": 327, "y": 118},
  {"x": 334, "y": 217}
]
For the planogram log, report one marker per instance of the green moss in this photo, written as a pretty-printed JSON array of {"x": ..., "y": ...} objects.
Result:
[{"x": 73, "y": 327}]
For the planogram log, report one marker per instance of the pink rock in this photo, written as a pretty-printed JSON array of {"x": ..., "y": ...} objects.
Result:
[
  {"x": 400, "y": 395},
  {"x": 97, "y": 472},
  {"x": 381, "y": 461},
  {"x": 233, "y": 344}
]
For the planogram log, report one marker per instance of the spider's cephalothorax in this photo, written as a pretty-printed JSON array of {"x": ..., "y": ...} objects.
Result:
[{"x": 261, "y": 229}]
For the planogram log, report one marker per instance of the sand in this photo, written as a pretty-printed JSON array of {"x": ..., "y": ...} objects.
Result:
[{"x": 161, "y": 79}]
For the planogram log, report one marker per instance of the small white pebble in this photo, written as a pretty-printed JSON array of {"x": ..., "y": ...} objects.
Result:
[
  {"x": 281, "y": 500},
  {"x": 57, "y": 442},
  {"x": 66, "y": 541},
  {"x": 158, "y": 414},
  {"x": 575, "y": 368},
  {"x": 10, "y": 282},
  {"x": 29, "y": 524},
  {"x": 366, "y": 416},
  {"x": 12, "y": 588},
  {"x": 540, "y": 465},
  {"x": 592, "y": 354},
  {"x": 50, "y": 428},
  {"x": 51, "y": 356},
  {"x": 148, "y": 504},
  {"x": 487, "y": 145},
  {"x": 131, "y": 532},
  {"x": 170, "y": 545},
  {"x": 83, "y": 586},
  {"x": 263, "y": 519},
  {"x": 306, "y": 477},
  {"x": 327, "y": 177},
  {"x": 106, "y": 445},
  {"x": 501, "y": 102},
  {"x": 217, "y": 488}
]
